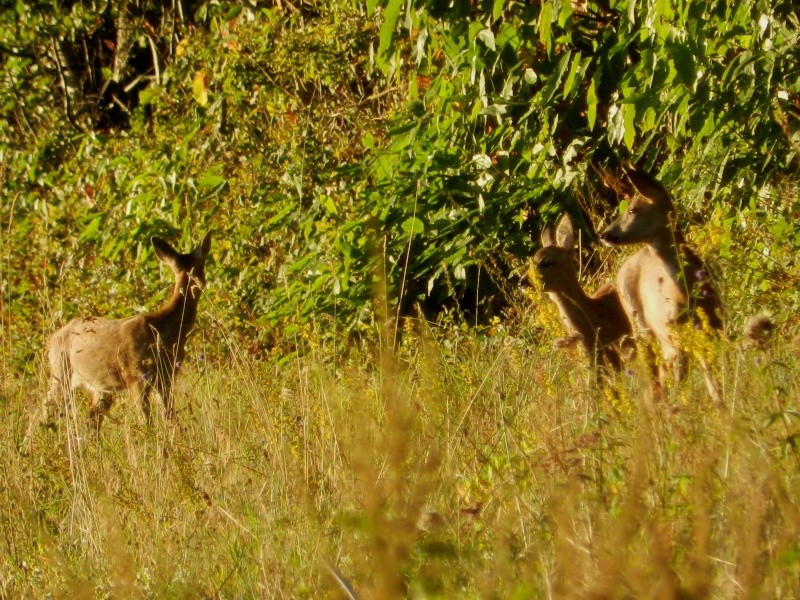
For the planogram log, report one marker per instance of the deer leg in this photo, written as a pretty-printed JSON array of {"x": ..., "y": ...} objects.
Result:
[
  {"x": 59, "y": 389},
  {"x": 656, "y": 369},
  {"x": 163, "y": 382},
  {"x": 102, "y": 404},
  {"x": 610, "y": 358},
  {"x": 56, "y": 396},
  {"x": 680, "y": 366},
  {"x": 166, "y": 398},
  {"x": 144, "y": 402},
  {"x": 712, "y": 383}
]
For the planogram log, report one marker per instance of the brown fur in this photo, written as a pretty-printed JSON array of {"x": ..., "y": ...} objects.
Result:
[
  {"x": 599, "y": 321},
  {"x": 141, "y": 353},
  {"x": 665, "y": 282}
]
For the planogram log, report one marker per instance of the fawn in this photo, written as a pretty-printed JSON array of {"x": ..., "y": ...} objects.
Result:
[
  {"x": 141, "y": 353},
  {"x": 599, "y": 322},
  {"x": 665, "y": 283}
]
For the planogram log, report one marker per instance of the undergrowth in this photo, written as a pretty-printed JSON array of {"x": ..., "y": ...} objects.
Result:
[{"x": 455, "y": 465}]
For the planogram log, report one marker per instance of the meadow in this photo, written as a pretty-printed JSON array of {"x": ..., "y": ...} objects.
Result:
[{"x": 458, "y": 464}]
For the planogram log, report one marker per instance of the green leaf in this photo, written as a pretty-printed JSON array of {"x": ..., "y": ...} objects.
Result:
[
  {"x": 90, "y": 231},
  {"x": 494, "y": 110},
  {"x": 497, "y": 9},
  {"x": 616, "y": 124},
  {"x": 487, "y": 37},
  {"x": 683, "y": 60},
  {"x": 629, "y": 112},
  {"x": 508, "y": 36},
  {"x": 573, "y": 69},
  {"x": 234, "y": 12},
  {"x": 591, "y": 99},
  {"x": 413, "y": 226},
  {"x": 632, "y": 11},
  {"x": 368, "y": 141},
  {"x": 390, "y": 16},
  {"x": 329, "y": 205},
  {"x": 545, "y": 25},
  {"x": 553, "y": 82},
  {"x": 210, "y": 181},
  {"x": 200, "y": 88},
  {"x": 319, "y": 282}
]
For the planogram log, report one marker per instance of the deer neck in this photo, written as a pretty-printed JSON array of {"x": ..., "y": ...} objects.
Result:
[
  {"x": 665, "y": 245},
  {"x": 176, "y": 318},
  {"x": 668, "y": 247},
  {"x": 572, "y": 303}
]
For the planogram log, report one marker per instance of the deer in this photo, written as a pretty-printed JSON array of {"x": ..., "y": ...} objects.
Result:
[
  {"x": 139, "y": 354},
  {"x": 664, "y": 284},
  {"x": 598, "y": 322}
]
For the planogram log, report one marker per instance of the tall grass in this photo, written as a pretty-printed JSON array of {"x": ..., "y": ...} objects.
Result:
[{"x": 456, "y": 466}]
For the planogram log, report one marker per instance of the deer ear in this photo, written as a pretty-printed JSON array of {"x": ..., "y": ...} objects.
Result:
[
  {"x": 205, "y": 246},
  {"x": 648, "y": 186},
  {"x": 164, "y": 251},
  {"x": 565, "y": 235},
  {"x": 548, "y": 236}
]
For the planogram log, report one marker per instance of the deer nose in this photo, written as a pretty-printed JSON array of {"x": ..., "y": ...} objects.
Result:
[{"x": 608, "y": 237}]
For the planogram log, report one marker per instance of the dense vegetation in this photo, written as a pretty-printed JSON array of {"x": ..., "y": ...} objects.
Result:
[
  {"x": 360, "y": 162},
  {"x": 336, "y": 147}
]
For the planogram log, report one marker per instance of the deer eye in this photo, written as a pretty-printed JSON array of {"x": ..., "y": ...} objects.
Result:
[{"x": 633, "y": 210}]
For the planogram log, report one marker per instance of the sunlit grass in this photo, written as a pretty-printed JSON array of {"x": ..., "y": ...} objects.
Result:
[{"x": 457, "y": 466}]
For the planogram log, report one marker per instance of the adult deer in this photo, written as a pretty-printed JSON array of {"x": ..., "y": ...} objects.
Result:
[
  {"x": 141, "y": 353},
  {"x": 665, "y": 283},
  {"x": 598, "y": 322}
]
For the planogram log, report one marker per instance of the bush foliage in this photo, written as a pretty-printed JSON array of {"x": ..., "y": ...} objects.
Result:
[{"x": 339, "y": 147}]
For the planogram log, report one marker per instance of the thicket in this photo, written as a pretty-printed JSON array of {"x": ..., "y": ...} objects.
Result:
[{"x": 341, "y": 148}]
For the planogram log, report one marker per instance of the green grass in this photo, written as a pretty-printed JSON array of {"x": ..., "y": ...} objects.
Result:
[{"x": 458, "y": 466}]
